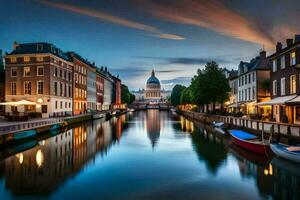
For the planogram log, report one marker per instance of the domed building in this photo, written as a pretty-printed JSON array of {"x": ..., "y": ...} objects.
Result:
[{"x": 153, "y": 91}]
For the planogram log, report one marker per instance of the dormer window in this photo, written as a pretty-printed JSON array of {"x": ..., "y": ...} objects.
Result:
[
  {"x": 274, "y": 66},
  {"x": 26, "y": 59},
  {"x": 293, "y": 58},
  {"x": 39, "y": 47}
]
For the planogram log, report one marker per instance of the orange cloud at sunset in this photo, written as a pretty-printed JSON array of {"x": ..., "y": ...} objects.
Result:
[
  {"x": 113, "y": 19},
  {"x": 211, "y": 15}
]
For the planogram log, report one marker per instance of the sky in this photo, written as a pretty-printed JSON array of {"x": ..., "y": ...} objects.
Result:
[{"x": 132, "y": 37}]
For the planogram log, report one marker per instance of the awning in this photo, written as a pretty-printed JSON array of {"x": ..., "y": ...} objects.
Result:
[
  {"x": 294, "y": 101},
  {"x": 277, "y": 100},
  {"x": 18, "y": 103}
]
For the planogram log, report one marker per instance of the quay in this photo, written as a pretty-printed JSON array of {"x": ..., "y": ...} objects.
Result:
[
  {"x": 13, "y": 132},
  {"x": 282, "y": 131}
]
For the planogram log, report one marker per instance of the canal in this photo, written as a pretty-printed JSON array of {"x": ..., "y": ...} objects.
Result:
[{"x": 143, "y": 155}]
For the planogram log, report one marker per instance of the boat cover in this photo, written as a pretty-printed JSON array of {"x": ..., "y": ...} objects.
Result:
[{"x": 242, "y": 135}]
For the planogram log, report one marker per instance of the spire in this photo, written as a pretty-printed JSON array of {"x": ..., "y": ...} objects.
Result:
[{"x": 152, "y": 74}]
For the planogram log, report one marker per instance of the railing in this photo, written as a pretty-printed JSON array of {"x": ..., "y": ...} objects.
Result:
[
  {"x": 27, "y": 125},
  {"x": 285, "y": 129}
]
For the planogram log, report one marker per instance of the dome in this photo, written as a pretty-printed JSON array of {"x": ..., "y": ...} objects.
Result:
[{"x": 152, "y": 79}]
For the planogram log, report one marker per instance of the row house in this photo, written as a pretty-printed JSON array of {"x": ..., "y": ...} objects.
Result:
[
  {"x": 40, "y": 73},
  {"x": 41, "y": 79},
  {"x": 285, "y": 84},
  {"x": 252, "y": 79},
  {"x": 233, "y": 84}
]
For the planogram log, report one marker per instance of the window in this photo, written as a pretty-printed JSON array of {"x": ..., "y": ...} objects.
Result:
[
  {"x": 253, "y": 92},
  {"x": 69, "y": 76},
  {"x": 40, "y": 87},
  {"x": 61, "y": 89},
  {"x": 274, "y": 69},
  {"x": 40, "y": 58},
  {"x": 249, "y": 78},
  {"x": 293, "y": 58},
  {"x": 249, "y": 93},
  {"x": 253, "y": 76},
  {"x": 282, "y": 62},
  {"x": 60, "y": 73},
  {"x": 292, "y": 84},
  {"x": 66, "y": 105},
  {"x": 55, "y": 88},
  {"x": 27, "y": 87},
  {"x": 56, "y": 104},
  {"x": 282, "y": 86},
  {"x": 40, "y": 71},
  {"x": 65, "y": 75},
  {"x": 61, "y": 105},
  {"x": 26, "y": 71},
  {"x": 56, "y": 72},
  {"x": 246, "y": 94},
  {"x": 13, "y": 72},
  {"x": 26, "y": 59},
  {"x": 13, "y": 59},
  {"x": 13, "y": 88},
  {"x": 275, "y": 87}
]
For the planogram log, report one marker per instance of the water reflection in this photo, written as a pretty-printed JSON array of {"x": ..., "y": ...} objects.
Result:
[
  {"x": 49, "y": 164},
  {"x": 158, "y": 155}
]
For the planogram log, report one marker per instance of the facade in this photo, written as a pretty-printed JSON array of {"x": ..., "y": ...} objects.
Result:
[
  {"x": 251, "y": 79},
  {"x": 2, "y": 83},
  {"x": 233, "y": 84},
  {"x": 91, "y": 89},
  {"x": 42, "y": 74},
  {"x": 285, "y": 76},
  {"x": 116, "y": 93},
  {"x": 81, "y": 67},
  {"x": 153, "y": 91},
  {"x": 99, "y": 89}
]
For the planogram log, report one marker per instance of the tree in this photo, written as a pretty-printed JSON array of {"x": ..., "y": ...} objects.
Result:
[
  {"x": 186, "y": 96},
  {"x": 126, "y": 96},
  {"x": 176, "y": 94},
  {"x": 210, "y": 85}
]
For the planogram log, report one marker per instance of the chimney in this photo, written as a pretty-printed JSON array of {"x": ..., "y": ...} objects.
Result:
[
  {"x": 263, "y": 54},
  {"x": 278, "y": 46},
  {"x": 297, "y": 38},
  {"x": 15, "y": 45},
  {"x": 289, "y": 42}
]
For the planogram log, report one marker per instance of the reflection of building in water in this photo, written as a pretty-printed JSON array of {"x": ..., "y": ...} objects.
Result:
[
  {"x": 186, "y": 125},
  {"x": 153, "y": 126},
  {"x": 41, "y": 169}
]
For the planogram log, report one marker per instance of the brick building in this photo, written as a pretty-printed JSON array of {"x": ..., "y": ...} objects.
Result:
[{"x": 42, "y": 74}]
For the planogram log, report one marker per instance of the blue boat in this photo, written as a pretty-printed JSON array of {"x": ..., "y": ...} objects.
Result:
[
  {"x": 55, "y": 127},
  {"x": 288, "y": 152},
  {"x": 24, "y": 134}
]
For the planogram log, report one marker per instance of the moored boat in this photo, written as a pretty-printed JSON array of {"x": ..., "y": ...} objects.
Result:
[
  {"x": 249, "y": 141},
  {"x": 288, "y": 152}
]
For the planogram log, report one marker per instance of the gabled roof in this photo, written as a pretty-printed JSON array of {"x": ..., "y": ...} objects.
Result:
[{"x": 36, "y": 48}]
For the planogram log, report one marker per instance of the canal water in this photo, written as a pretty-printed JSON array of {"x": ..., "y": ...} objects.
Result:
[{"x": 143, "y": 155}]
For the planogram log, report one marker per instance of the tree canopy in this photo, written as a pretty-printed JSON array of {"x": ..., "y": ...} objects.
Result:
[
  {"x": 176, "y": 94},
  {"x": 126, "y": 96}
]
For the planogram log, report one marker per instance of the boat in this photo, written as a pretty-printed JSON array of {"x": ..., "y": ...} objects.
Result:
[
  {"x": 218, "y": 124},
  {"x": 249, "y": 141},
  {"x": 288, "y": 152}
]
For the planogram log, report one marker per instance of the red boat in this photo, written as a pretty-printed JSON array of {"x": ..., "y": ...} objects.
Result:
[{"x": 250, "y": 142}]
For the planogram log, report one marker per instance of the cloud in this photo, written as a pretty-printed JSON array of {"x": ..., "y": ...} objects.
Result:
[
  {"x": 103, "y": 16},
  {"x": 212, "y": 15},
  {"x": 178, "y": 80},
  {"x": 226, "y": 59}
]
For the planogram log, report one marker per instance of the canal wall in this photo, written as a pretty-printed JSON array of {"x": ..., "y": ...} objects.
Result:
[{"x": 282, "y": 131}]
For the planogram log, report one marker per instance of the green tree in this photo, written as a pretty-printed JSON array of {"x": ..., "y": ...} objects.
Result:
[
  {"x": 176, "y": 94},
  {"x": 186, "y": 96},
  {"x": 126, "y": 96}
]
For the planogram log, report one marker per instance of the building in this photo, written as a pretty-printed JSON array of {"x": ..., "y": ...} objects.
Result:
[
  {"x": 233, "y": 84},
  {"x": 81, "y": 67},
  {"x": 99, "y": 88},
  {"x": 116, "y": 93},
  {"x": 41, "y": 74},
  {"x": 91, "y": 89},
  {"x": 253, "y": 77},
  {"x": 153, "y": 91},
  {"x": 285, "y": 76},
  {"x": 2, "y": 83}
]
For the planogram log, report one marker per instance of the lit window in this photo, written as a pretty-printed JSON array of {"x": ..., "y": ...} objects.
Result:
[
  {"x": 27, "y": 87},
  {"x": 292, "y": 84},
  {"x": 293, "y": 58},
  {"x": 282, "y": 86},
  {"x": 13, "y": 72},
  {"x": 40, "y": 87},
  {"x": 26, "y": 71},
  {"x": 13, "y": 59},
  {"x": 275, "y": 87},
  {"x": 26, "y": 59},
  {"x": 40, "y": 71},
  {"x": 274, "y": 69},
  {"x": 40, "y": 58},
  {"x": 282, "y": 62},
  {"x": 13, "y": 88}
]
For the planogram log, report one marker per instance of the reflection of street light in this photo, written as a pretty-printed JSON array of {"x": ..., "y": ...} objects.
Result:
[
  {"x": 39, "y": 158},
  {"x": 21, "y": 158}
]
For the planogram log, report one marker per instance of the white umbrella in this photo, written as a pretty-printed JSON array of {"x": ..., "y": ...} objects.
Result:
[{"x": 18, "y": 103}]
